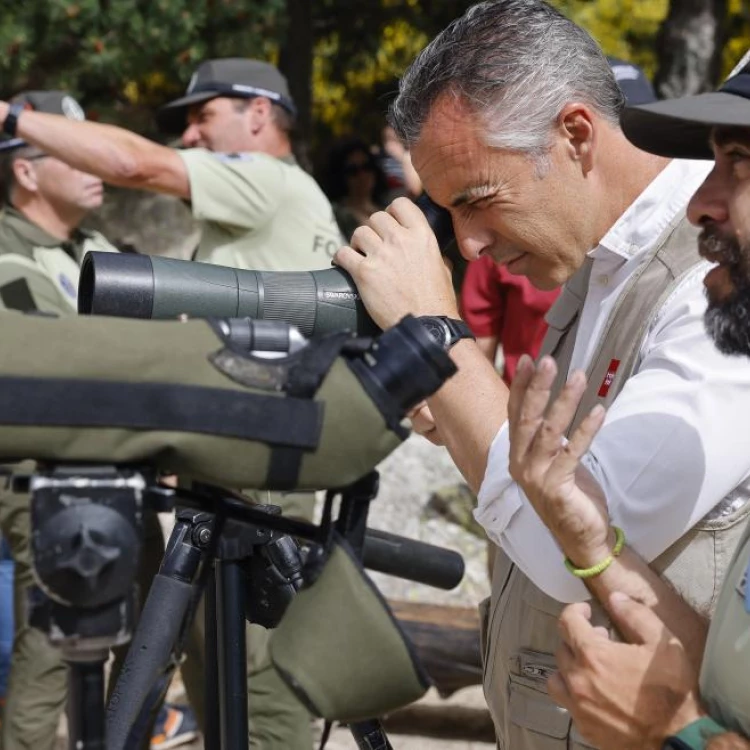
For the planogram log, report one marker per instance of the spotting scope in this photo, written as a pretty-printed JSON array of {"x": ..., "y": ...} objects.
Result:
[{"x": 143, "y": 286}]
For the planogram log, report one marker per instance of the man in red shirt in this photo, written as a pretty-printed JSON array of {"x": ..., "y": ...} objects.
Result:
[{"x": 504, "y": 310}]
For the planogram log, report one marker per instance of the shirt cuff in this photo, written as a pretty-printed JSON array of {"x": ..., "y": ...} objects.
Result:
[{"x": 497, "y": 502}]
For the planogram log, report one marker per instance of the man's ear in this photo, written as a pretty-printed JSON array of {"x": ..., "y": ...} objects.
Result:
[
  {"x": 24, "y": 175},
  {"x": 576, "y": 124},
  {"x": 258, "y": 113}
]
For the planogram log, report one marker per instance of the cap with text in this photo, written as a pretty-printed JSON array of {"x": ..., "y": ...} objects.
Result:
[
  {"x": 235, "y": 77},
  {"x": 681, "y": 128},
  {"x": 51, "y": 102}
]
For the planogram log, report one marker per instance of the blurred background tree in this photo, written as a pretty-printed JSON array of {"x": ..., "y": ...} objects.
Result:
[{"x": 342, "y": 57}]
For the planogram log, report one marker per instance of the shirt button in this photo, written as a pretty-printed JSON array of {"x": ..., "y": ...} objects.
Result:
[{"x": 603, "y": 279}]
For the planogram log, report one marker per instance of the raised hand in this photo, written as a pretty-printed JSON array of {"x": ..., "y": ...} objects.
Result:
[{"x": 547, "y": 466}]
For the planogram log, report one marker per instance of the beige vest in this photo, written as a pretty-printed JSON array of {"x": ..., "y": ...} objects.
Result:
[
  {"x": 519, "y": 620},
  {"x": 725, "y": 674}
]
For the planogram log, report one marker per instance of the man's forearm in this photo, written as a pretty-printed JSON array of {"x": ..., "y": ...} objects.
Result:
[
  {"x": 469, "y": 410},
  {"x": 114, "y": 154},
  {"x": 728, "y": 742},
  {"x": 631, "y": 575}
]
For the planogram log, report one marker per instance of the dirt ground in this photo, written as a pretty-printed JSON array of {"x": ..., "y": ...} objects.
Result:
[{"x": 341, "y": 739}]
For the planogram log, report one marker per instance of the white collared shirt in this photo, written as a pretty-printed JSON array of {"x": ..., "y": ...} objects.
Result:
[{"x": 676, "y": 440}]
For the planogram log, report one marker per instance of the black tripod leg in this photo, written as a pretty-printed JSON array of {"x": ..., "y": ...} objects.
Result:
[
  {"x": 232, "y": 655},
  {"x": 212, "y": 730},
  {"x": 86, "y": 705},
  {"x": 370, "y": 735}
]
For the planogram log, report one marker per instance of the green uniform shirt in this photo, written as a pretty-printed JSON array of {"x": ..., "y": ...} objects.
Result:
[
  {"x": 259, "y": 212},
  {"x": 725, "y": 673},
  {"x": 38, "y": 271}
]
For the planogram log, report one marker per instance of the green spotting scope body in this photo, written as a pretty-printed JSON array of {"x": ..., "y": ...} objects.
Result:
[{"x": 143, "y": 286}]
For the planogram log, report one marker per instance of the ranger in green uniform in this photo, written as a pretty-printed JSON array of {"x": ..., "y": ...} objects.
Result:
[
  {"x": 41, "y": 244},
  {"x": 257, "y": 208}
]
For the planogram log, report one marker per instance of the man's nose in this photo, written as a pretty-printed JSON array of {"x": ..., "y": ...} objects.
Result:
[
  {"x": 191, "y": 136},
  {"x": 471, "y": 238},
  {"x": 710, "y": 203}
]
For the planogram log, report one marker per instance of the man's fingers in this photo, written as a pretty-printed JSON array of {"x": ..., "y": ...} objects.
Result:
[
  {"x": 366, "y": 240},
  {"x": 575, "y": 625},
  {"x": 558, "y": 417},
  {"x": 524, "y": 371},
  {"x": 531, "y": 410},
  {"x": 384, "y": 225},
  {"x": 423, "y": 423},
  {"x": 558, "y": 690},
  {"x": 635, "y": 621},
  {"x": 408, "y": 214},
  {"x": 348, "y": 258},
  {"x": 564, "y": 465}
]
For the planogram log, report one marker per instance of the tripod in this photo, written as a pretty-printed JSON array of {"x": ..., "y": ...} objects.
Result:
[{"x": 209, "y": 550}]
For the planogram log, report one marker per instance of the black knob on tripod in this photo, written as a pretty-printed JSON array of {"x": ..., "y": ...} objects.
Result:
[{"x": 88, "y": 556}]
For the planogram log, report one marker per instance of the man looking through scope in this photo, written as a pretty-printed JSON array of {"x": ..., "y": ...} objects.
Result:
[
  {"x": 512, "y": 118},
  {"x": 257, "y": 209}
]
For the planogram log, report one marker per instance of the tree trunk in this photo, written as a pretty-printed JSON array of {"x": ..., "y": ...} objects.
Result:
[
  {"x": 446, "y": 640},
  {"x": 296, "y": 63},
  {"x": 689, "y": 47}
]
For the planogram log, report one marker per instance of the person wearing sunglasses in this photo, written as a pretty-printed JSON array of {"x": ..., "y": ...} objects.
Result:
[{"x": 356, "y": 184}]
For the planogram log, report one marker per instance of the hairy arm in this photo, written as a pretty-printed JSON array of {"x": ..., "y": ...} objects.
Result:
[
  {"x": 470, "y": 409},
  {"x": 114, "y": 154},
  {"x": 729, "y": 741}
]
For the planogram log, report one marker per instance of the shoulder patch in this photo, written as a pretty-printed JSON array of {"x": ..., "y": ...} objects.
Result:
[{"x": 67, "y": 285}]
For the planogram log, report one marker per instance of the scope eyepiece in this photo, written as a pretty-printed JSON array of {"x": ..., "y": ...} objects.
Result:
[{"x": 404, "y": 366}]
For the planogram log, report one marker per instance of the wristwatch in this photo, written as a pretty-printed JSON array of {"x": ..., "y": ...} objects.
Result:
[
  {"x": 444, "y": 330},
  {"x": 10, "y": 123}
]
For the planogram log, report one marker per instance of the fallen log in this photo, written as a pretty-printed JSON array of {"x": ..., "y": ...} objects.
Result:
[
  {"x": 442, "y": 722},
  {"x": 446, "y": 640}
]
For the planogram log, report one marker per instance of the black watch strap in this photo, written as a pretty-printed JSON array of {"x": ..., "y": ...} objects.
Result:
[
  {"x": 10, "y": 123},
  {"x": 446, "y": 331}
]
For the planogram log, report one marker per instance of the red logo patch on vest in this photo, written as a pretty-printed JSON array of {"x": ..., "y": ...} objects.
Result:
[{"x": 608, "y": 378}]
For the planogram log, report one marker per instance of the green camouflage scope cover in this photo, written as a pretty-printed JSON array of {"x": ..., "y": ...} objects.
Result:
[
  {"x": 340, "y": 649},
  {"x": 129, "y": 391}
]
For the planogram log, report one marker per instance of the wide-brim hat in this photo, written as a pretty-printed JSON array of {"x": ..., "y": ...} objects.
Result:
[
  {"x": 51, "y": 102},
  {"x": 681, "y": 128},
  {"x": 235, "y": 77}
]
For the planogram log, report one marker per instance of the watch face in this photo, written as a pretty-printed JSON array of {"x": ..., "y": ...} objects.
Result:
[{"x": 436, "y": 329}]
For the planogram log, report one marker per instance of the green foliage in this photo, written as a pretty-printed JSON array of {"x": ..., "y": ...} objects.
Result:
[
  {"x": 124, "y": 57},
  {"x": 125, "y": 52}
]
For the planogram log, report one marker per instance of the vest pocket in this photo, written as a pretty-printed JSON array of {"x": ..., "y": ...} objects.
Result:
[{"x": 535, "y": 721}]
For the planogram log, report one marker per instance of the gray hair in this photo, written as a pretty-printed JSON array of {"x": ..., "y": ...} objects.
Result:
[{"x": 515, "y": 64}]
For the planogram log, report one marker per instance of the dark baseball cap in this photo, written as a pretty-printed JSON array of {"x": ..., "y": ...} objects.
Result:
[
  {"x": 681, "y": 128},
  {"x": 52, "y": 102},
  {"x": 235, "y": 77},
  {"x": 632, "y": 81}
]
